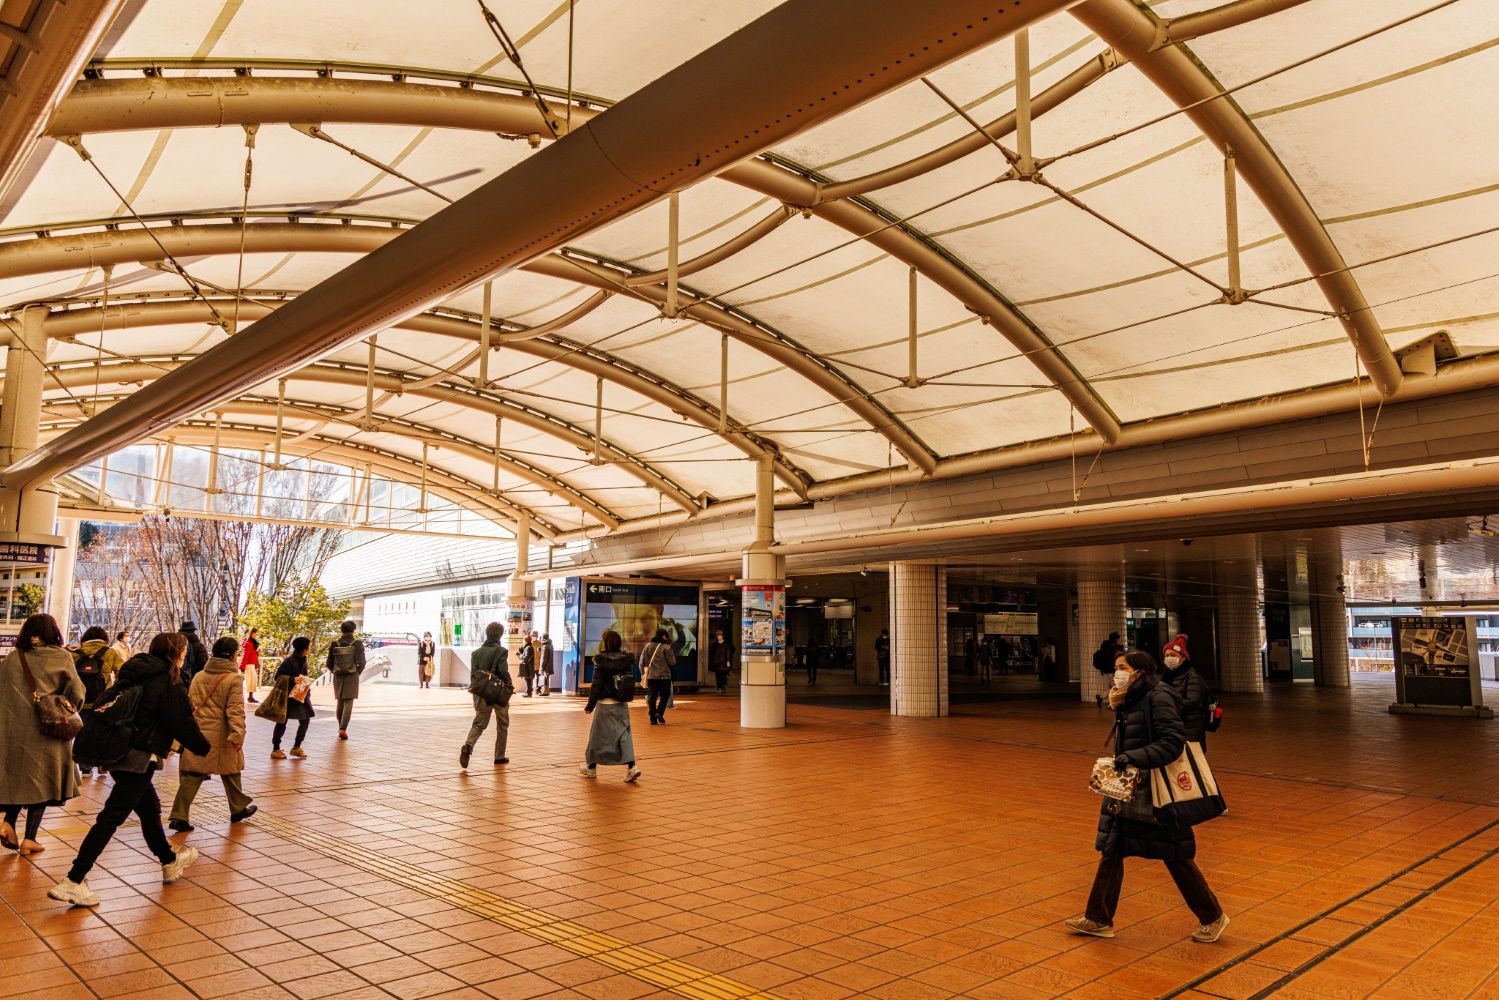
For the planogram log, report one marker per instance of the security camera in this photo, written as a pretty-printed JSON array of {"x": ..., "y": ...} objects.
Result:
[{"x": 1187, "y": 541}]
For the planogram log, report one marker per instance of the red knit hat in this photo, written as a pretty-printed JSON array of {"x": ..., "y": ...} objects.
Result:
[{"x": 1177, "y": 646}]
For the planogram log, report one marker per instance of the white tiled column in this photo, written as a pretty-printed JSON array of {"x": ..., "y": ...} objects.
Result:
[
  {"x": 1329, "y": 617},
  {"x": 1100, "y": 610},
  {"x": 918, "y": 639},
  {"x": 1239, "y": 628}
]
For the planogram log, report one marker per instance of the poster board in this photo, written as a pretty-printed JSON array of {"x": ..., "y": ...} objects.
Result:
[
  {"x": 635, "y": 609},
  {"x": 1436, "y": 663}
]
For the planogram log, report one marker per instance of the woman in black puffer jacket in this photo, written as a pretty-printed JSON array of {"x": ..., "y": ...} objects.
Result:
[
  {"x": 1190, "y": 688},
  {"x": 1147, "y": 734},
  {"x": 164, "y": 716}
]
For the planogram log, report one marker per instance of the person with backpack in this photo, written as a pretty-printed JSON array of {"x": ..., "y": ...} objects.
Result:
[
  {"x": 249, "y": 663},
  {"x": 197, "y": 653},
  {"x": 346, "y": 664},
  {"x": 36, "y": 770},
  {"x": 609, "y": 698},
  {"x": 97, "y": 663},
  {"x": 300, "y": 710},
  {"x": 527, "y": 668},
  {"x": 489, "y": 659},
  {"x": 220, "y": 713},
  {"x": 161, "y": 715},
  {"x": 1147, "y": 734},
  {"x": 544, "y": 655},
  {"x": 656, "y": 661}
]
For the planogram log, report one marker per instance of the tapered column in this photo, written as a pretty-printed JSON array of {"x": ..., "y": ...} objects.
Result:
[
  {"x": 28, "y": 515},
  {"x": 60, "y": 579},
  {"x": 1239, "y": 627},
  {"x": 518, "y": 603},
  {"x": 1329, "y": 616},
  {"x": 918, "y": 639},
  {"x": 762, "y": 639},
  {"x": 1100, "y": 612}
]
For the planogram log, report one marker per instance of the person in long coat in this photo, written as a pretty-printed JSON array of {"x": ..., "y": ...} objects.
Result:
[
  {"x": 1190, "y": 687},
  {"x": 36, "y": 771},
  {"x": 426, "y": 653},
  {"x": 346, "y": 664},
  {"x": 300, "y": 712},
  {"x": 220, "y": 713},
  {"x": 544, "y": 655},
  {"x": 1147, "y": 734}
]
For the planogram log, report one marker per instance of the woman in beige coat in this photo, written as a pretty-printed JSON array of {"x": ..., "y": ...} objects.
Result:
[
  {"x": 36, "y": 771},
  {"x": 219, "y": 709}
]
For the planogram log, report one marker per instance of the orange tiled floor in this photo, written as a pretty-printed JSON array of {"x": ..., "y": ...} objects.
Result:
[{"x": 849, "y": 854}]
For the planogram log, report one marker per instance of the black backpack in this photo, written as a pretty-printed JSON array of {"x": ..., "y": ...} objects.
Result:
[
  {"x": 344, "y": 662},
  {"x": 624, "y": 686},
  {"x": 90, "y": 665},
  {"x": 108, "y": 728}
]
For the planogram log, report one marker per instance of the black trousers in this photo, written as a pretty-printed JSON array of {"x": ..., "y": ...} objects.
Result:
[
  {"x": 280, "y": 731},
  {"x": 658, "y": 693},
  {"x": 1103, "y": 900},
  {"x": 721, "y": 679},
  {"x": 132, "y": 793}
]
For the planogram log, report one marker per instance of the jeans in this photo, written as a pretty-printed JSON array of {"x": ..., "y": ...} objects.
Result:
[
  {"x": 1103, "y": 900},
  {"x": 658, "y": 693},
  {"x": 34, "y": 816},
  {"x": 132, "y": 793},
  {"x": 345, "y": 712},
  {"x": 482, "y": 711},
  {"x": 280, "y": 731},
  {"x": 187, "y": 790}
]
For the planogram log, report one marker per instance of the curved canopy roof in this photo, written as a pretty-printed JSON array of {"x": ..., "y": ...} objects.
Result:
[{"x": 890, "y": 289}]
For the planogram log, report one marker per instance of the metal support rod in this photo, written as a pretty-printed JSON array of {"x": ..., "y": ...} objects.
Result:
[
  {"x": 423, "y": 505},
  {"x": 369, "y": 385},
  {"x": 499, "y": 426},
  {"x": 260, "y": 484},
  {"x": 913, "y": 377},
  {"x": 672, "y": 222},
  {"x": 103, "y": 479},
  {"x": 486, "y": 325},
  {"x": 307, "y": 490},
  {"x": 1231, "y": 223},
  {"x": 164, "y": 484},
  {"x": 598, "y": 423},
  {"x": 369, "y": 490},
  {"x": 280, "y": 420},
  {"x": 213, "y": 461},
  {"x": 723, "y": 385},
  {"x": 1026, "y": 164}
]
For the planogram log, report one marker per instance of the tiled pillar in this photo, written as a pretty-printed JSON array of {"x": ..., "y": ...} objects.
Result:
[
  {"x": 1329, "y": 618},
  {"x": 1100, "y": 610},
  {"x": 918, "y": 639},
  {"x": 1239, "y": 627}
]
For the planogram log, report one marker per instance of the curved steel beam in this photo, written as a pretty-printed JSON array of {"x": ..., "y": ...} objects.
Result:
[
  {"x": 157, "y": 102},
  {"x": 82, "y": 375},
  {"x": 450, "y": 323},
  {"x": 611, "y": 166},
  {"x": 1134, "y": 30},
  {"x": 411, "y": 429},
  {"x": 44, "y": 254},
  {"x": 401, "y": 468}
]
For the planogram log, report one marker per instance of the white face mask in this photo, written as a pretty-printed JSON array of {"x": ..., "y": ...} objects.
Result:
[
  {"x": 1122, "y": 677},
  {"x": 1172, "y": 662}
]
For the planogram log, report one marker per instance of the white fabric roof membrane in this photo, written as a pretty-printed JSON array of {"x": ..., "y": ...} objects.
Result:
[{"x": 1389, "y": 137}]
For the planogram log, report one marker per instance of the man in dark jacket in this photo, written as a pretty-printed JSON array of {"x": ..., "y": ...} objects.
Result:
[
  {"x": 197, "y": 653},
  {"x": 163, "y": 716},
  {"x": 1148, "y": 734},
  {"x": 492, "y": 657}
]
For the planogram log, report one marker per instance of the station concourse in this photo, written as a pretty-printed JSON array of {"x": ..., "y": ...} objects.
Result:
[{"x": 891, "y": 370}]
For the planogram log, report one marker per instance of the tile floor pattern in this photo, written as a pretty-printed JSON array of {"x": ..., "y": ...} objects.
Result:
[{"x": 851, "y": 854}]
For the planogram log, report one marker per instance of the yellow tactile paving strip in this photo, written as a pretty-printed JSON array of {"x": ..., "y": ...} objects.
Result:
[{"x": 621, "y": 956}]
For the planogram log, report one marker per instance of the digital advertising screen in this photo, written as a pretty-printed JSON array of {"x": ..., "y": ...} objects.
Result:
[{"x": 636, "y": 611}]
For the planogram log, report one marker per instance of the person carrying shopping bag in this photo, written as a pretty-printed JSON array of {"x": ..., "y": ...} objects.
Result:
[
  {"x": 36, "y": 769},
  {"x": 281, "y": 707},
  {"x": 219, "y": 711},
  {"x": 1147, "y": 735},
  {"x": 656, "y": 663}
]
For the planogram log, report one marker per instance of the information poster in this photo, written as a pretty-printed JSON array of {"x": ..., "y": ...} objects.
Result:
[
  {"x": 763, "y": 625},
  {"x": 1435, "y": 661}
]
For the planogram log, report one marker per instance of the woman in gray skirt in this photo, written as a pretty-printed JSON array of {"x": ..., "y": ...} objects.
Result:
[{"x": 609, "y": 700}]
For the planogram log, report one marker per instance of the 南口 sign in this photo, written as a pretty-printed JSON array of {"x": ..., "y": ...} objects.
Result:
[{"x": 23, "y": 552}]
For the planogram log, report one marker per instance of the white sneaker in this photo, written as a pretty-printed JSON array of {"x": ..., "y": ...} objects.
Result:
[
  {"x": 185, "y": 857},
  {"x": 632, "y": 774},
  {"x": 73, "y": 893},
  {"x": 587, "y": 771}
]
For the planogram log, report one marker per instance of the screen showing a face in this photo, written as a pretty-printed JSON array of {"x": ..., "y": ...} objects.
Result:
[{"x": 636, "y": 612}]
